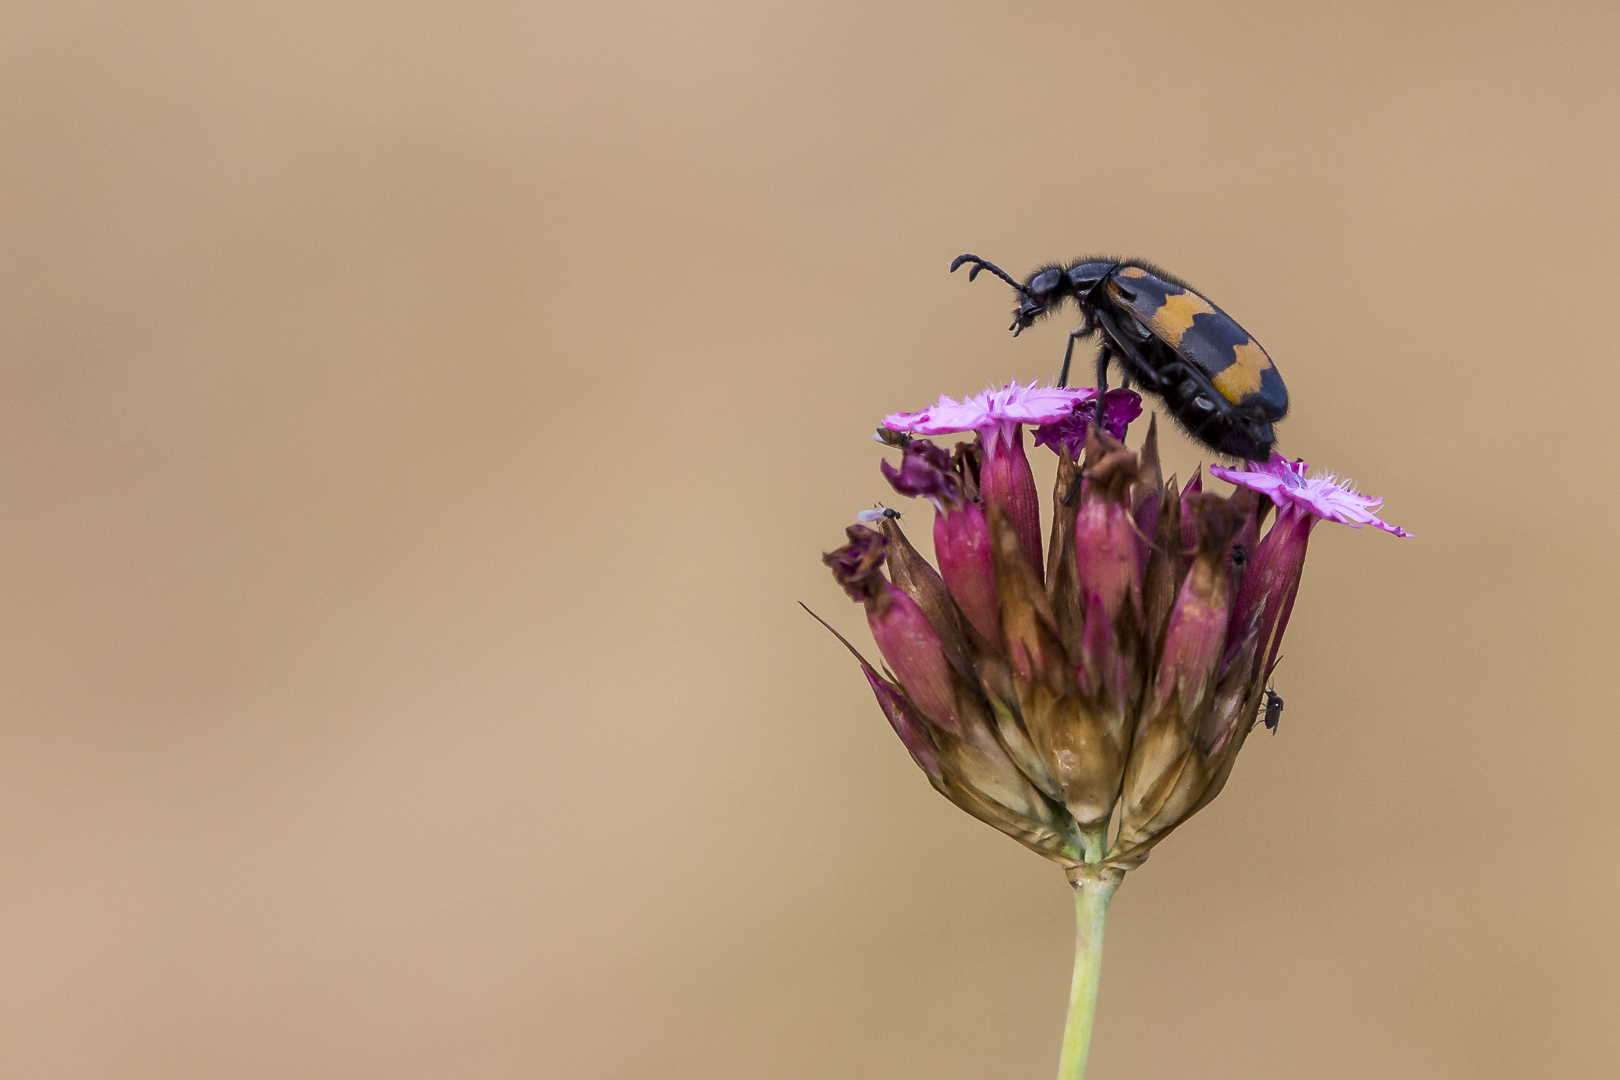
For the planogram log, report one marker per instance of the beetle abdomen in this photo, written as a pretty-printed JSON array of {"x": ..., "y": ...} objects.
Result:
[{"x": 1205, "y": 336}]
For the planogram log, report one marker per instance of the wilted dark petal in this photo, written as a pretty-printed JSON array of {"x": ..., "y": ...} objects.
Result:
[
  {"x": 1006, "y": 480},
  {"x": 857, "y": 566},
  {"x": 962, "y": 545},
  {"x": 911, "y": 645},
  {"x": 1069, "y": 433},
  {"x": 924, "y": 472},
  {"x": 967, "y": 460},
  {"x": 1120, "y": 407}
]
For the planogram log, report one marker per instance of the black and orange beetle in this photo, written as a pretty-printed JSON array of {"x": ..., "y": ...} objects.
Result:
[{"x": 1210, "y": 373}]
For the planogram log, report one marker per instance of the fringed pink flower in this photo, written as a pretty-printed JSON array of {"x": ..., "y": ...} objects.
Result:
[
  {"x": 995, "y": 413},
  {"x": 1002, "y": 471},
  {"x": 1324, "y": 497}
]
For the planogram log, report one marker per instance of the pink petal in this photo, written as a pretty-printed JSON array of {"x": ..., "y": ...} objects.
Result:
[{"x": 1326, "y": 497}]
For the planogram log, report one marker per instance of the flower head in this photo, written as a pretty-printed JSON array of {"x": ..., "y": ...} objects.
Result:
[
  {"x": 995, "y": 413},
  {"x": 1324, "y": 497},
  {"x": 1088, "y": 696},
  {"x": 1115, "y": 684}
]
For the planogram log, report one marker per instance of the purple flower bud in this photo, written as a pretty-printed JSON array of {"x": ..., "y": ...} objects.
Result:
[
  {"x": 1271, "y": 580},
  {"x": 1196, "y": 637},
  {"x": 1106, "y": 548},
  {"x": 1194, "y": 641},
  {"x": 905, "y": 637},
  {"x": 1006, "y": 479},
  {"x": 911, "y": 645},
  {"x": 962, "y": 545},
  {"x": 1272, "y": 576}
]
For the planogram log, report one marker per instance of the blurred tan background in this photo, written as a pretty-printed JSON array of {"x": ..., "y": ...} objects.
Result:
[{"x": 418, "y": 421}]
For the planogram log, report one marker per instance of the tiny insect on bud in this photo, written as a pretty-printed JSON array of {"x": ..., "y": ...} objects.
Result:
[{"x": 1274, "y": 708}]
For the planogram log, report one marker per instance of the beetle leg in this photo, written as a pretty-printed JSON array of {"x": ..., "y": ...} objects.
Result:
[
  {"x": 1130, "y": 355},
  {"x": 1084, "y": 329}
]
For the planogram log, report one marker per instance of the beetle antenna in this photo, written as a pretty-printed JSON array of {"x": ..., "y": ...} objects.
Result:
[{"x": 981, "y": 264}]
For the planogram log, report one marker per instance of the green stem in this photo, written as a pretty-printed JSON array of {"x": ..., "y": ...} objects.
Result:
[{"x": 1093, "y": 889}]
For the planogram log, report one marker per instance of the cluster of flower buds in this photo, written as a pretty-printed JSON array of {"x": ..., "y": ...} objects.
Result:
[{"x": 1088, "y": 695}]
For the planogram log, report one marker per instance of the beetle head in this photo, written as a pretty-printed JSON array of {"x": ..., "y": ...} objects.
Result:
[{"x": 1039, "y": 294}]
